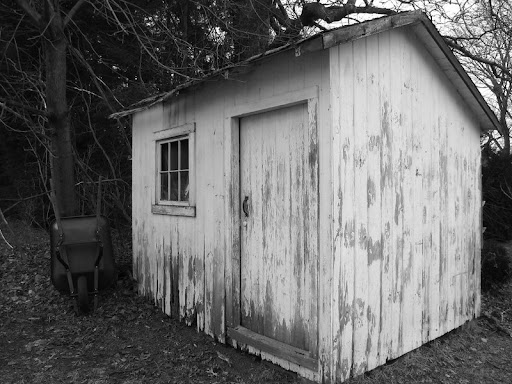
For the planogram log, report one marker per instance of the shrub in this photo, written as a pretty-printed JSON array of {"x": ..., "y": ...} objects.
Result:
[
  {"x": 496, "y": 264},
  {"x": 497, "y": 194}
]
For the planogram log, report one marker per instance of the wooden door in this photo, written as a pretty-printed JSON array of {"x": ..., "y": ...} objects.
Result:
[{"x": 279, "y": 231}]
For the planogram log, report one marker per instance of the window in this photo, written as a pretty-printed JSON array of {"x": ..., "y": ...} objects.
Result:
[{"x": 174, "y": 171}]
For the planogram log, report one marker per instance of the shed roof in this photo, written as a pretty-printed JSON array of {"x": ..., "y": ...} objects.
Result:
[{"x": 417, "y": 20}]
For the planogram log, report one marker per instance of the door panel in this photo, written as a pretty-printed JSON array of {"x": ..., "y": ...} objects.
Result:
[{"x": 279, "y": 225}]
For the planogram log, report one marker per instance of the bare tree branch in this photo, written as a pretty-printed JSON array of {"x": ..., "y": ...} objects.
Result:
[
  {"x": 31, "y": 12},
  {"x": 27, "y": 108},
  {"x": 316, "y": 11},
  {"x": 22, "y": 199},
  {"x": 450, "y": 41},
  {"x": 72, "y": 12},
  {"x": 96, "y": 80}
]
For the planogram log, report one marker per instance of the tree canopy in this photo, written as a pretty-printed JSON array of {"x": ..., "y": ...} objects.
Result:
[{"x": 66, "y": 65}]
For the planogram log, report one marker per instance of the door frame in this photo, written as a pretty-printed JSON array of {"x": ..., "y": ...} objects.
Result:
[{"x": 234, "y": 330}]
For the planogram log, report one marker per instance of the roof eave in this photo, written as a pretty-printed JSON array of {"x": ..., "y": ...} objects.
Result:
[
  {"x": 424, "y": 29},
  {"x": 453, "y": 69},
  {"x": 434, "y": 42}
]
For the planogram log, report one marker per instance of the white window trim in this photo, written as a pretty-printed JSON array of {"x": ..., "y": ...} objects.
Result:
[{"x": 175, "y": 208}]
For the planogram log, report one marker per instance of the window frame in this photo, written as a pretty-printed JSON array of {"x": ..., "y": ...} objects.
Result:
[{"x": 168, "y": 207}]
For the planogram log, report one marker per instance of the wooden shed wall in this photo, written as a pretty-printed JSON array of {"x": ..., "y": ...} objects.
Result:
[
  {"x": 180, "y": 262},
  {"x": 407, "y": 203},
  {"x": 399, "y": 205}
]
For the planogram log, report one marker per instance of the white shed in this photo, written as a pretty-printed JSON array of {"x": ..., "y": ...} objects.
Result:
[{"x": 320, "y": 204}]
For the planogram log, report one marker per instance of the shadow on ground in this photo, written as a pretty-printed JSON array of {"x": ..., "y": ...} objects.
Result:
[{"x": 128, "y": 340}]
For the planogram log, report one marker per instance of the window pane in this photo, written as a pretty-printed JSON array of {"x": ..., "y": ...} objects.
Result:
[
  {"x": 164, "y": 148},
  {"x": 174, "y": 155},
  {"x": 184, "y": 186},
  {"x": 184, "y": 154},
  {"x": 164, "y": 186},
  {"x": 174, "y": 186}
]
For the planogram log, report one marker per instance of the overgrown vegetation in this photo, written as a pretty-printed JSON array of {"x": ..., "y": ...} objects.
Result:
[
  {"x": 496, "y": 264},
  {"x": 65, "y": 66},
  {"x": 122, "y": 51},
  {"x": 497, "y": 218},
  {"x": 497, "y": 195},
  {"x": 118, "y": 52},
  {"x": 129, "y": 341}
]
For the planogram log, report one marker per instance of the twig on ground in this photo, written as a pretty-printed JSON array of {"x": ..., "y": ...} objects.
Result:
[
  {"x": 497, "y": 324},
  {"x": 224, "y": 358},
  {"x": 6, "y": 242},
  {"x": 2, "y": 217}
]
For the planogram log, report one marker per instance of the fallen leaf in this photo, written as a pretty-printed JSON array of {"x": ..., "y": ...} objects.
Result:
[
  {"x": 35, "y": 344},
  {"x": 224, "y": 357}
]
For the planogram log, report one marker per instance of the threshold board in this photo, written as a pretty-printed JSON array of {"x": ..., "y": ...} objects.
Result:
[{"x": 276, "y": 348}]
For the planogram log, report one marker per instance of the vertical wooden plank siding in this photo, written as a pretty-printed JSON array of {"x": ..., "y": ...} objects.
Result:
[
  {"x": 345, "y": 232},
  {"x": 464, "y": 202},
  {"x": 219, "y": 308},
  {"x": 424, "y": 224},
  {"x": 233, "y": 221},
  {"x": 360, "y": 308},
  {"x": 145, "y": 267},
  {"x": 279, "y": 247},
  {"x": 325, "y": 207},
  {"x": 419, "y": 166},
  {"x": 456, "y": 133},
  {"x": 312, "y": 198},
  {"x": 445, "y": 218},
  {"x": 181, "y": 262},
  {"x": 424, "y": 104},
  {"x": 399, "y": 213},
  {"x": 388, "y": 197},
  {"x": 479, "y": 235},
  {"x": 252, "y": 292},
  {"x": 396, "y": 178},
  {"x": 406, "y": 126},
  {"x": 419, "y": 133},
  {"x": 434, "y": 265},
  {"x": 333, "y": 351},
  {"x": 374, "y": 202}
]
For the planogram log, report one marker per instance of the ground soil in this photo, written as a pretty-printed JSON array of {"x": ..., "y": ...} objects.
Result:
[{"x": 128, "y": 340}]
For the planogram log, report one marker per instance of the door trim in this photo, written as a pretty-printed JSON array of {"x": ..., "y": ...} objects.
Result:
[{"x": 232, "y": 219}]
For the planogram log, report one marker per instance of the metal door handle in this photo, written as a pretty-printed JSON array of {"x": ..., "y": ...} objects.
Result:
[{"x": 245, "y": 206}]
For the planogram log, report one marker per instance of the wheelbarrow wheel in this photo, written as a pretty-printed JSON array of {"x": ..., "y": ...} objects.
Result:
[{"x": 83, "y": 295}]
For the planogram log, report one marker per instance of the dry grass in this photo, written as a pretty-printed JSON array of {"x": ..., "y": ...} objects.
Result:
[{"x": 127, "y": 340}]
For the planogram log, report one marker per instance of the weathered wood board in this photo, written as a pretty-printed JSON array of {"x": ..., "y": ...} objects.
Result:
[
  {"x": 361, "y": 165},
  {"x": 402, "y": 249},
  {"x": 277, "y": 285}
]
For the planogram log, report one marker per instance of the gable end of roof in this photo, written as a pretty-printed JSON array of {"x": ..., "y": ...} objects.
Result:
[{"x": 417, "y": 20}]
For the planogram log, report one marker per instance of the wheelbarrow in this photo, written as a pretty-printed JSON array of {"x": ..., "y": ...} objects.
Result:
[{"x": 81, "y": 257}]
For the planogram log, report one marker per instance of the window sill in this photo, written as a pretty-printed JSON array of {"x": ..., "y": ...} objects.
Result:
[{"x": 173, "y": 210}]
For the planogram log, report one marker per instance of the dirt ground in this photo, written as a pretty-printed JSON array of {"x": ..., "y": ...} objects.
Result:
[{"x": 127, "y": 340}]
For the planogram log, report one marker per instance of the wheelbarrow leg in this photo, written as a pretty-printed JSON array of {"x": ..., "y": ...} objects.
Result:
[
  {"x": 68, "y": 274},
  {"x": 96, "y": 274},
  {"x": 83, "y": 294},
  {"x": 72, "y": 290}
]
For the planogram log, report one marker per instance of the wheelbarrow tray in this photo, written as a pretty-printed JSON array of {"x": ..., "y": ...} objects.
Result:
[{"x": 81, "y": 242}]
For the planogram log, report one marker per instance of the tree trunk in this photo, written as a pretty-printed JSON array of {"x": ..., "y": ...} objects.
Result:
[
  {"x": 58, "y": 119},
  {"x": 505, "y": 132}
]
